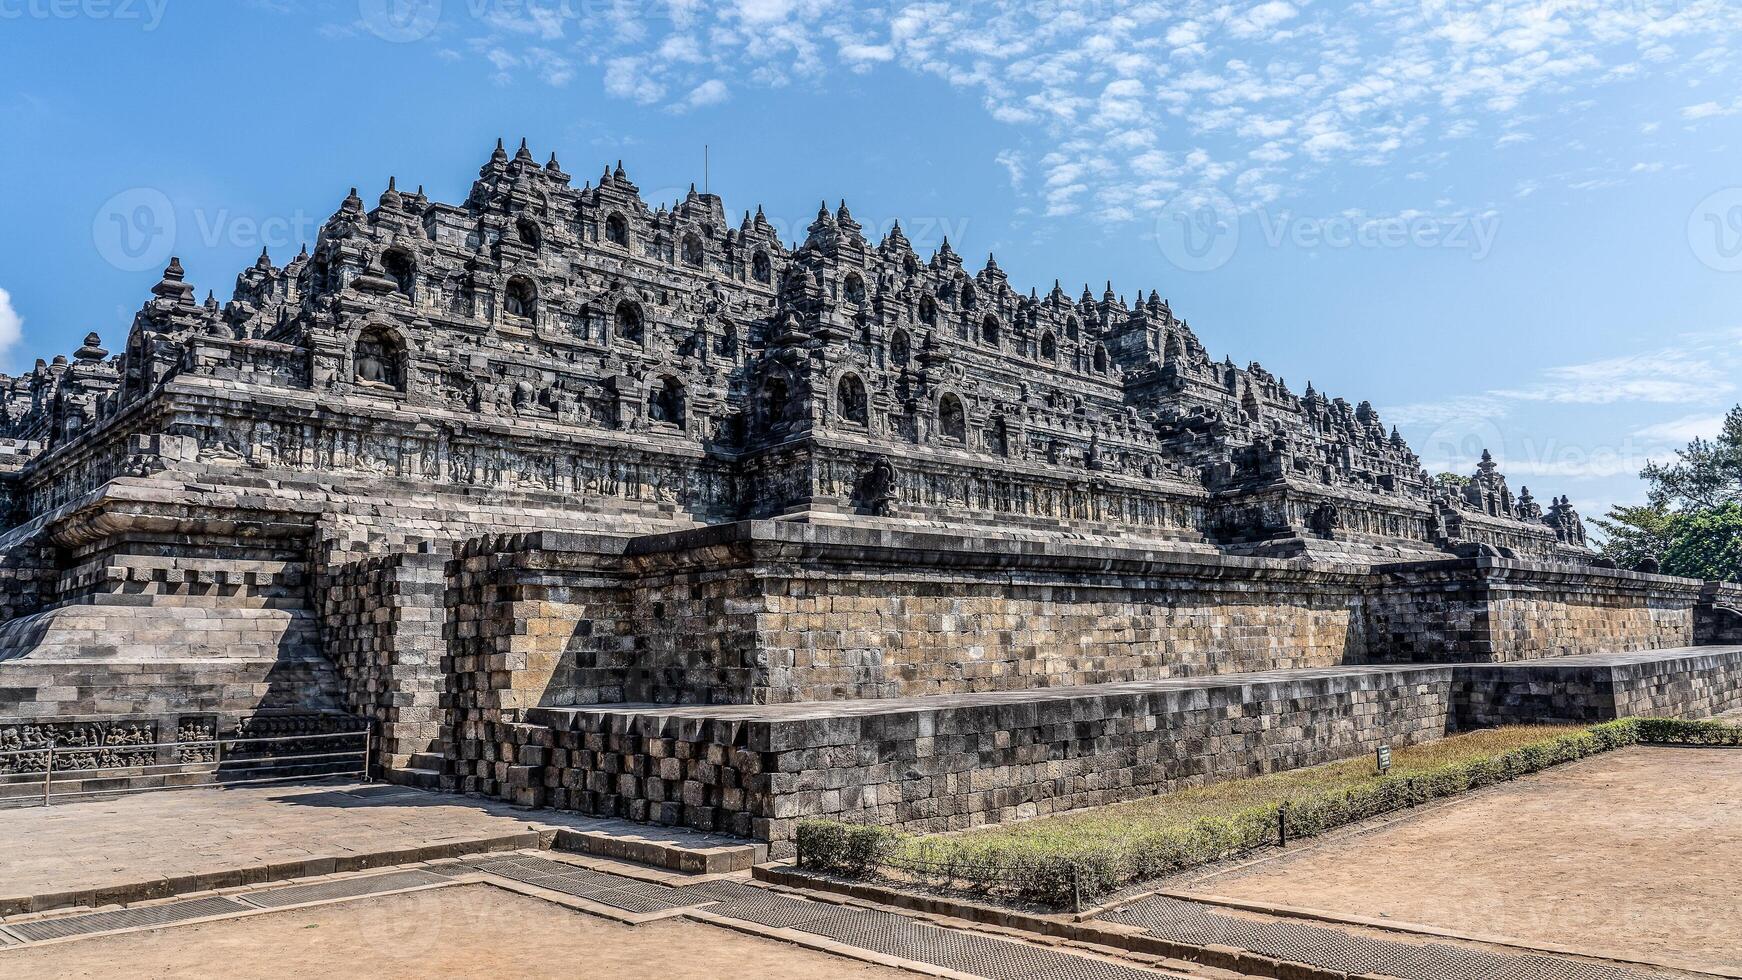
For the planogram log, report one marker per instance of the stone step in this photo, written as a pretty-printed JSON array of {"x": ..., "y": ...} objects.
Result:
[
  {"x": 432, "y": 761},
  {"x": 677, "y": 849},
  {"x": 414, "y": 776}
]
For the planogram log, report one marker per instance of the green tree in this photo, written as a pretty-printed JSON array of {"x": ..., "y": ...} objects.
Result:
[
  {"x": 1707, "y": 544},
  {"x": 1705, "y": 475},
  {"x": 1632, "y": 535},
  {"x": 1451, "y": 483},
  {"x": 1691, "y": 524}
]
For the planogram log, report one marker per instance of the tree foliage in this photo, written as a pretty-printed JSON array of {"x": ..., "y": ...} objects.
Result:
[
  {"x": 1451, "y": 483},
  {"x": 1707, "y": 474},
  {"x": 1691, "y": 524},
  {"x": 1635, "y": 535},
  {"x": 1707, "y": 544}
]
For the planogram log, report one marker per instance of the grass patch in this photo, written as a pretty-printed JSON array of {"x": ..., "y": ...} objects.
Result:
[
  {"x": 1138, "y": 819},
  {"x": 1064, "y": 860}
]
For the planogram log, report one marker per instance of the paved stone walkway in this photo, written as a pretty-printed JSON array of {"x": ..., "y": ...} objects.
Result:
[{"x": 239, "y": 836}]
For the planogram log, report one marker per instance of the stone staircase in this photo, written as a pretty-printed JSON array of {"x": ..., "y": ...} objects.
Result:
[{"x": 423, "y": 772}]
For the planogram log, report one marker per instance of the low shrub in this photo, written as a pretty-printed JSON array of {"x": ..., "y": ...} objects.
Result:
[{"x": 1067, "y": 868}]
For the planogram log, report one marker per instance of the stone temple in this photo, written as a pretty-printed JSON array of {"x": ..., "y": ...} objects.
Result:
[{"x": 638, "y": 511}]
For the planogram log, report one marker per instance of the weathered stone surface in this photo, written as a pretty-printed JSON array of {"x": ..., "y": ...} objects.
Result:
[
  {"x": 478, "y": 472},
  {"x": 945, "y": 763}
]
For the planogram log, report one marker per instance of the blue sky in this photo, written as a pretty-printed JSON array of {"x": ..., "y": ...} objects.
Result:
[{"x": 1513, "y": 224}]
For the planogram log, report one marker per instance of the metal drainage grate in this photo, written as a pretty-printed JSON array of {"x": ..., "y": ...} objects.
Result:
[
  {"x": 724, "y": 890},
  {"x": 273, "y": 898},
  {"x": 1549, "y": 968},
  {"x": 645, "y": 898},
  {"x": 616, "y": 891},
  {"x": 951, "y": 949},
  {"x": 1327, "y": 948},
  {"x": 95, "y": 922},
  {"x": 964, "y": 952},
  {"x": 1436, "y": 962},
  {"x": 773, "y": 911},
  {"x": 1194, "y": 922}
]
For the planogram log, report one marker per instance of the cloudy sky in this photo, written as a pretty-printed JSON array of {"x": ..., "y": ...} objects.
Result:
[{"x": 1513, "y": 225}]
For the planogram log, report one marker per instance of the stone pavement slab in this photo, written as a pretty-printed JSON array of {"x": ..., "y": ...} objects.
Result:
[{"x": 166, "y": 843}]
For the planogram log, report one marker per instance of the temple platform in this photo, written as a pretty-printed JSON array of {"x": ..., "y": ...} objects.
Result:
[
  {"x": 1687, "y": 682},
  {"x": 949, "y": 762}
]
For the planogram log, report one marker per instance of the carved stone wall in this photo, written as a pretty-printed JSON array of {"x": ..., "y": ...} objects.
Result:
[{"x": 655, "y": 358}]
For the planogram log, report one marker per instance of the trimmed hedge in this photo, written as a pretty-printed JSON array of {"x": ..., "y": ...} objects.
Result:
[{"x": 1066, "y": 874}]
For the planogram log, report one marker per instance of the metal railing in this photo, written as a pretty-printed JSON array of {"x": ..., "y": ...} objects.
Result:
[{"x": 219, "y": 762}]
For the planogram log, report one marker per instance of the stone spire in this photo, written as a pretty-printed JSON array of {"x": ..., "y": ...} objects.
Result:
[
  {"x": 171, "y": 286},
  {"x": 93, "y": 349}
]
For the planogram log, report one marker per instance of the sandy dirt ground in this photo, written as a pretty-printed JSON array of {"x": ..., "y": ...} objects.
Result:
[
  {"x": 1636, "y": 854},
  {"x": 467, "y": 931}
]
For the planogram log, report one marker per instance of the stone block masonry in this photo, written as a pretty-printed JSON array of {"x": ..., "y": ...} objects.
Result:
[
  {"x": 1718, "y": 617},
  {"x": 950, "y": 762},
  {"x": 739, "y": 677},
  {"x": 772, "y": 612},
  {"x": 700, "y": 469},
  {"x": 1494, "y": 609},
  {"x": 381, "y": 623},
  {"x": 1695, "y": 682}
]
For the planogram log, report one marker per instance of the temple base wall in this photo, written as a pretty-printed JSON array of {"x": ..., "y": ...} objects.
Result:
[
  {"x": 1695, "y": 682},
  {"x": 773, "y": 612},
  {"x": 1498, "y": 610},
  {"x": 935, "y": 764}
]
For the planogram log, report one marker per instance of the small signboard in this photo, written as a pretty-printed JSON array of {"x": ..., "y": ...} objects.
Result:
[{"x": 1384, "y": 759}]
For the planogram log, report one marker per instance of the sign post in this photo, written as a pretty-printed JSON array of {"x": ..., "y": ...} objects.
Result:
[{"x": 1384, "y": 759}]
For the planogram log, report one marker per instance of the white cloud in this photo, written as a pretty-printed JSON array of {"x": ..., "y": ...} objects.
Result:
[
  {"x": 865, "y": 54},
  {"x": 1705, "y": 110},
  {"x": 1228, "y": 89},
  {"x": 11, "y": 324},
  {"x": 1685, "y": 429},
  {"x": 1260, "y": 19},
  {"x": 1668, "y": 376},
  {"x": 626, "y": 78},
  {"x": 711, "y": 92}
]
